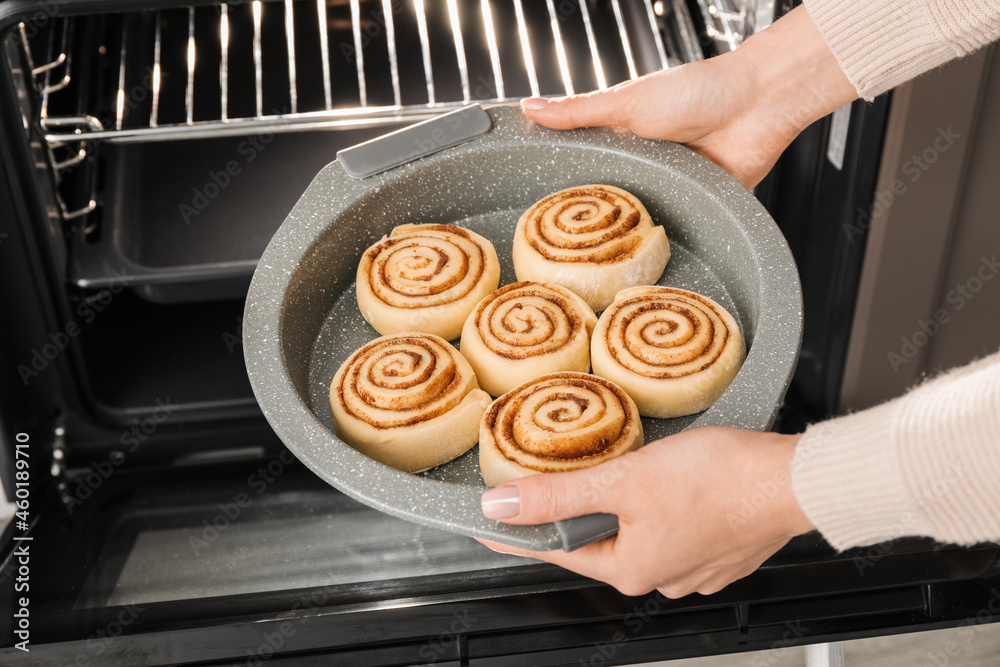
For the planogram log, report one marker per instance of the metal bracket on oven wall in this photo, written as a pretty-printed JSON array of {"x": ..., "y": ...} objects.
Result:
[
  {"x": 66, "y": 152},
  {"x": 413, "y": 142}
]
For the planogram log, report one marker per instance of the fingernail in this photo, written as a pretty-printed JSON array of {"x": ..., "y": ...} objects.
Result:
[
  {"x": 534, "y": 103},
  {"x": 502, "y": 502}
]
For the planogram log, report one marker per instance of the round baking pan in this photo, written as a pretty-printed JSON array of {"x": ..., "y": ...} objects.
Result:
[{"x": 302, "y": 321}]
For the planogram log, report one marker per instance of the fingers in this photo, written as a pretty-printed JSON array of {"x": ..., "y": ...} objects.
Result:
[
  {"x": 595, "y": 561},
  {"x": 553, "y": 497},
  {"x": 598, "y": 109},
  {"x": 710, "y": 580},
  {"x": 600, "y": 561}
]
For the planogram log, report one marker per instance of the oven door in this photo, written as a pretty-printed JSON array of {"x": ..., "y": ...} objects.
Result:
[
  {"x": 238, "y": 563},
  {"x": 162, "y": 521}
]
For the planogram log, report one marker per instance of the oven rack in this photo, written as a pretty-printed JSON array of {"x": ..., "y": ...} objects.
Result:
[
  {"x": 635, "y": 25},
  {"x": 120, "y": 95},
  {"x": 63, "y": 153}
]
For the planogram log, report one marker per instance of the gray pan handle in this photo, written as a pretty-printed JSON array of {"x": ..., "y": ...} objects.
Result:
[
  {"x": 416, "y": 141},
  {"x": 582, "y": 530}
]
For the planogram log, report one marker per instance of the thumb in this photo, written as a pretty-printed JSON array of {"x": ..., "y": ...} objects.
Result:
[
  {"x": 597, "y": 109},
  {"x": 552, "y": 497}
]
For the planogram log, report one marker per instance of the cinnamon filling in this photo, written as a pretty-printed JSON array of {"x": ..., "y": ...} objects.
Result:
[
  {"x": 668, "y": 334},
  {"x": 431, "y": 266},
  {"x": 563, "y": 417}
]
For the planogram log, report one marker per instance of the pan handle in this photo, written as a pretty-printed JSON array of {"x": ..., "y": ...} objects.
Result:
[
  {"x": 416, "y": 141},
  {"x": 582, "y": 530}
]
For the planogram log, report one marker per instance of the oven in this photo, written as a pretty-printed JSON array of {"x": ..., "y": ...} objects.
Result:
[{"x": 151, "y": 149}]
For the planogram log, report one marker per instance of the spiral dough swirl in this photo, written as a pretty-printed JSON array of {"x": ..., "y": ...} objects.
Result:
[
  {"x": 593, "y": 239},
  {"x": 668, "y": 333},
  {"x": 524, "y": 330},
  {"x": 425, "y": 278},
  {"x": 594, "y": 223},
  {"x": 673, "y": 350},
  {"x": 434, "y": 265},
  {"x": 401, "y": 380},
  {"x": 559, "y": 422},
  {"x": 409, "y": 400},
  {"x": 528, "y": 319}
]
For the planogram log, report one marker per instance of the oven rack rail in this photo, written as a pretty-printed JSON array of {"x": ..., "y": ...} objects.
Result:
[{"x": 70, "y": 130}]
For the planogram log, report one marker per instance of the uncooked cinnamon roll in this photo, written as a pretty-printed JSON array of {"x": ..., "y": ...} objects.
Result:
[
  {"x": 675, "y": 352},
  {"x": 556, "y": 423},
  {"x": 409, "y": 400},
  {"x": 425, "y": 278},
  {"x": 594, "y": 239},
  {"x": 525, "y": 330}
]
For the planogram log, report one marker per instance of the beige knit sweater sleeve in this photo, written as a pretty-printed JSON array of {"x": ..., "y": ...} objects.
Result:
[
  {"x": 927, "y": 463},
  {"x": 882, "y": 43}
]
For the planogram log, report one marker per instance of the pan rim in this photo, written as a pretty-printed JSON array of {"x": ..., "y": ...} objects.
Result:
[{"x": 289, "y": 414}]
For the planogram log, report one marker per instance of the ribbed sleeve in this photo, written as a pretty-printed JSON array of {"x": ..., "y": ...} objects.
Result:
[
  {"x": 882, "y": 43},
  {"x": 927, "y": 463}
]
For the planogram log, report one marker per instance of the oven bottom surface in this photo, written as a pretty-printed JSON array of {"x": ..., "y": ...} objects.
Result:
[{"x": 210, "y": 562}]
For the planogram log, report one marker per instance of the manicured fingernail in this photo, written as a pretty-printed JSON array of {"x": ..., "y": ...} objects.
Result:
[
  {"x": 502, "y": 502},
  {"x": 534, "y": 103}
]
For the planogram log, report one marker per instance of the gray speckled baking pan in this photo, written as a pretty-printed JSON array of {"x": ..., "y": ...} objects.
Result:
[{"x": 302, "y": 321}]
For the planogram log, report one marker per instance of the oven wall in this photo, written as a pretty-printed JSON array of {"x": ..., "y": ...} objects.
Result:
[{"x": 929, "y": 295}]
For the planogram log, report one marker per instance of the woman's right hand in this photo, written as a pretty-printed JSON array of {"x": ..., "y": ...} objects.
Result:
[{"x": 740, "y": 110}]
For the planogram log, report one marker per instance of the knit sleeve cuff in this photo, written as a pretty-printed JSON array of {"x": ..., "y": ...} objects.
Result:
[
  {"x": 881, "y": 43},
  {"x": 848, "y": 480}
]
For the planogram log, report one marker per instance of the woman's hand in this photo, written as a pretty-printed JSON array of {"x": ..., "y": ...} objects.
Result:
[
  {"x": 696, "y": 511},
  {"x": 740, "y": 110}
]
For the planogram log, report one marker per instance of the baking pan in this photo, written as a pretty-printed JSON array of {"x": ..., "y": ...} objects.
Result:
[{"x": 302, "y": 321}]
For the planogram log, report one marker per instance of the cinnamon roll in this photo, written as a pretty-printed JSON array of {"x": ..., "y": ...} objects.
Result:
[
  {"x": 594, "y": 239},
  {"x": 556, "y": 423},
  {"x": 675, "y": 352},
  {"x": 525, "y": 330},
  {"x": 409, "y": 401},
  {"x": 425, "y": 278}
]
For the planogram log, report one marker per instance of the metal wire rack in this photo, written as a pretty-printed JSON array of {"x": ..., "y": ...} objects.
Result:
[
  {"x": 372, "y": 35},
  {"x": 242, "y": 67}
]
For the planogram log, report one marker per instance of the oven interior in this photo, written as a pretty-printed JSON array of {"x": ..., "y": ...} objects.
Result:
[
  {"x": 164, "y": 146},
  {"x": 157, "y": 148},
  {"x": 175, "y": 141}
]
